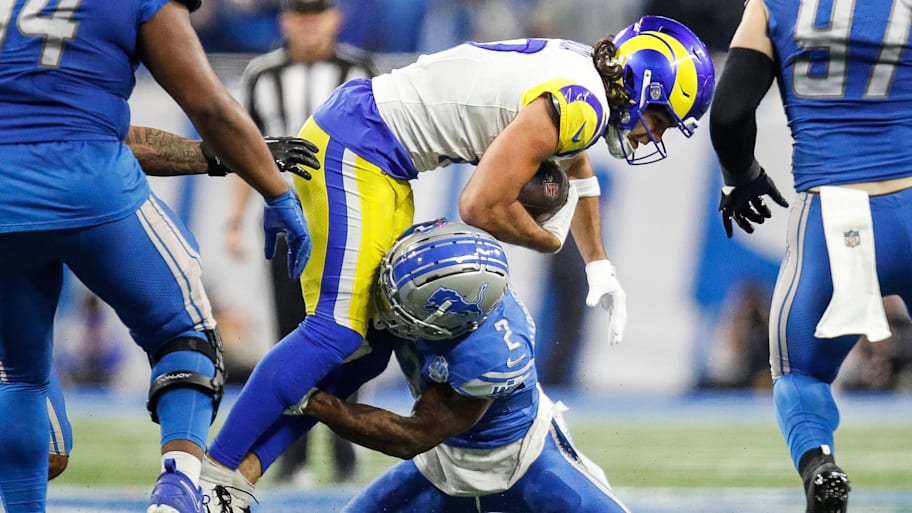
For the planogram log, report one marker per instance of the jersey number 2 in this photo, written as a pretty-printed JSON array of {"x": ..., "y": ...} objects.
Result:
[
  {"x": 55, "y": 28},
  {"x": 503, "y": 326}
]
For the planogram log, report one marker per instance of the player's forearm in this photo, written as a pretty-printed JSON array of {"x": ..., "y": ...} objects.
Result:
[
  {"x": 240, "y": 196},
  {"x": 587, "y": 229},
  {"x": 162, "y": 153},
  {"x": 747, "y": 76},
  {"x": 236, "y": 140},
  {"x": 509, "y": 223},
  {"x": 365, "y": 425}
]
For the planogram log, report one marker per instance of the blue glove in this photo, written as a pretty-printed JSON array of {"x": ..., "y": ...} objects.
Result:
[{"x": 283, "y": 214}]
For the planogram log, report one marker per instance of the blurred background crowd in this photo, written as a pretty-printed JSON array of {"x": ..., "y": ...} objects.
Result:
[{"x": 698, "y": 303}]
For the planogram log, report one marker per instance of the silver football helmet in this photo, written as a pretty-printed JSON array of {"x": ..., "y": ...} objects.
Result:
[{"x": 440, "y": 280}]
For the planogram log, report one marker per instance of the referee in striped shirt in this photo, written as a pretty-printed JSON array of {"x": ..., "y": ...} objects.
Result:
[{"x": 280, "y": 90}]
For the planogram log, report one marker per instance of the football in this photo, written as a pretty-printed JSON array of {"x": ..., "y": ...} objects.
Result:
[{"x": 546, "y": 192}]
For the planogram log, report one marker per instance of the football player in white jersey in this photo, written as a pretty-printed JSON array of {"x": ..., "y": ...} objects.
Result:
[{"x": 504, "y": 106}]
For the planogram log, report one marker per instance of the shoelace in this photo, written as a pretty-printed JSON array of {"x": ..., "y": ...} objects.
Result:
[{"x": 224, "y": 499}]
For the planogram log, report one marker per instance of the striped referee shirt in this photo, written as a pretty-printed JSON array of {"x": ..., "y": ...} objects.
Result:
[{"x": 280, "y": 95}]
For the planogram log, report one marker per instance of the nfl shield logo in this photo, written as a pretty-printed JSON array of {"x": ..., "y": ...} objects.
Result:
[
  {"x": 551, "y": 189},
  {"x": 851, "y": 238}
]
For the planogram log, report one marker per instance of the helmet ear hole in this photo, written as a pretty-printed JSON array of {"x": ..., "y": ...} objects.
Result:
[
  {"x": 629, "y": 79},
  {"x": 440, "y": 281}
]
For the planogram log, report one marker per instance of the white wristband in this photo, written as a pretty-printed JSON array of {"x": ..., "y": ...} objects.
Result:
[
  {"x": 559, "y": 223},
  {"x": 587, "y": 187}
]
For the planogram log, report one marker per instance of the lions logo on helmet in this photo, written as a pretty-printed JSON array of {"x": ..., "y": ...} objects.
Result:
[
  {"x": 451, "y": 300},
  {"x": 665, "y": 64},
  {"x": 439, "y": 281}
]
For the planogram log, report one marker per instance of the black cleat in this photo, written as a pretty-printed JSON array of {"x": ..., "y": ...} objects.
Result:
[{"x": 828, "y": 489}]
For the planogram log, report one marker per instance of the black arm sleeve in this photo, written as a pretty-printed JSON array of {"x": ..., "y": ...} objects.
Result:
[{"x": 747, "y": 76}]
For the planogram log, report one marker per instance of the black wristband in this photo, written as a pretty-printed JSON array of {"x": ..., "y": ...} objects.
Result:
[
  {"x": 747, "y": 76},
  {"x": 214, "y": 163}
]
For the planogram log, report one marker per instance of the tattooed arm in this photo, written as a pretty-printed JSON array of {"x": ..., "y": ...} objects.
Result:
[
  {"x": 162, "y": 153},
  {"x": 438, "y": 413}
]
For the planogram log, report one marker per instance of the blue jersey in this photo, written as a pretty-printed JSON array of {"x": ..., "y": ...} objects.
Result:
[
  {"x": 493, "y": 362},
  {"x": 66, "y": 73},
  {"x": 845, "y": 77}
]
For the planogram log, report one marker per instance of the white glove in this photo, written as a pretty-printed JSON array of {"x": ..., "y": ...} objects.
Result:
[{"x": 606, "y": 291}]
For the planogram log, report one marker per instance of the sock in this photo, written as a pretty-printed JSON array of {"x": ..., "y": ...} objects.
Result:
[
  {"x": 806, "y": 412},
  {"x": 282, "y": 435},
  {"x": 185, "y": 463},
  {"x": 281, "y": 379},
  {"x": 812, "y": 459},
  {"x": 215, "y": 472},
  {"x": 23, "y": 451},
  {"x": 241, "y": 483},
  {"x": 342, "y": 381}
]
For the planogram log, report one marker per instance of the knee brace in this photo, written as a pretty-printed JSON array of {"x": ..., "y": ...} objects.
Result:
[{"x": 214, "y": 386}]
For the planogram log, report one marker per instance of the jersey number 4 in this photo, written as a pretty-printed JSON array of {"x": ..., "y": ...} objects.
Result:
[{"x": 56, "y": 28}]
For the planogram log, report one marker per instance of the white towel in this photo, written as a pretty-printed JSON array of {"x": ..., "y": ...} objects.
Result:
[{"x": 856, "y": 307}]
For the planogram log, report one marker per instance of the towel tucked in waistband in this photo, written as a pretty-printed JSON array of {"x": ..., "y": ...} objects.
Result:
[{"x": 856, "y": 307}]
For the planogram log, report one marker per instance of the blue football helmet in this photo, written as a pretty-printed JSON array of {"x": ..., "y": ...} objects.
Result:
[
  {"x": 667, "y": 65},
  {"x": 439, "y": 281}
]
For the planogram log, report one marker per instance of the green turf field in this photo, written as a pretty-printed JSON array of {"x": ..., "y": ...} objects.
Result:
[{"x": 123, "y": 451}]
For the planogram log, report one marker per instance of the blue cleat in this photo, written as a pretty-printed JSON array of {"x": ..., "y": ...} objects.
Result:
[{"x": 175, "y": 493}]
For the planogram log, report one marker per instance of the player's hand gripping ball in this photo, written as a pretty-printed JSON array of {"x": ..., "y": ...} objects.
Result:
[{"x": 546, "y": 192}]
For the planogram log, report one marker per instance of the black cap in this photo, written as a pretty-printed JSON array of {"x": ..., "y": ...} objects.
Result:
[{"x": 307, "y": 5}]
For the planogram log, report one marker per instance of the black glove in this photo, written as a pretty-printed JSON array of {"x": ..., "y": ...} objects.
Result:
[
  {"x": 288, "y": 153},
  {"x": 744, "y": 203}
]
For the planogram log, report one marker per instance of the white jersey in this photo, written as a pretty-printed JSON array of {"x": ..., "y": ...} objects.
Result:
[{"x": 448, "y": 106}]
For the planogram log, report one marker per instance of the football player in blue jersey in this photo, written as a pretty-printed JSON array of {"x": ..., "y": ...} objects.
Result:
[
  {"x": 162, "y": 153},
  {"x": 72, "y": 193},
  {"x": 845, "y": 77},
  {"x": 540, "y": 99},
  {"x": 482, "y": 435}
]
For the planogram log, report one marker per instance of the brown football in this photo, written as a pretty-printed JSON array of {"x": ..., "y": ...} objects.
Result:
[{"x": 546, "y": 192}]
